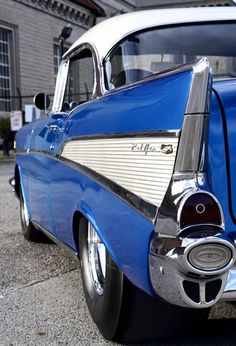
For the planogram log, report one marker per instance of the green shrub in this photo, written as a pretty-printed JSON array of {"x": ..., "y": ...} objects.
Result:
[{"x": 5, "y": 125}]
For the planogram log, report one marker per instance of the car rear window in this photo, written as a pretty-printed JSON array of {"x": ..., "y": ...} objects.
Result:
[{"x": 145, "y": 53}]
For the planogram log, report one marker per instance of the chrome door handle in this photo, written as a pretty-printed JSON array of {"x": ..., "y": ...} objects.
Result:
[{"x": 53, "y": 128}]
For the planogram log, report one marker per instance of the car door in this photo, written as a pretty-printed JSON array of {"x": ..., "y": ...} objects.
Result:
[
  {"x": 45, "y": 134},
  {"x": 79, "y": 89}
]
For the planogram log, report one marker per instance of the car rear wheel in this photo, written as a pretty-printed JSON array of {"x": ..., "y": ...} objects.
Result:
[
  {"x": 121, "y": 311},
  {"x": 28, "y": 229}
]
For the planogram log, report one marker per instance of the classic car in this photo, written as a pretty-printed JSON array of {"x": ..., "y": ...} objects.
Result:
[{"x": 133, "y": 168}]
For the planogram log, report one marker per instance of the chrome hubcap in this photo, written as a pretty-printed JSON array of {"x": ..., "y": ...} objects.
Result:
[
  {"x": 25, "y": 213},
  {"x": 97, "y": 259}
]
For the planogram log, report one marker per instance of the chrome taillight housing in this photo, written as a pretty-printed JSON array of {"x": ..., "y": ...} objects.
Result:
[{"x": 200, "y": 208}]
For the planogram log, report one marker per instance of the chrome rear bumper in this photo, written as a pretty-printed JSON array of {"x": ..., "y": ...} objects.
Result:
[
  {"x": 178, "y": 276},
  {"x": 229, "y": 293}
]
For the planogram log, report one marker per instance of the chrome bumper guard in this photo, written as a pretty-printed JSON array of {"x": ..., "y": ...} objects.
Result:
[{"x": 177, "y": 274}]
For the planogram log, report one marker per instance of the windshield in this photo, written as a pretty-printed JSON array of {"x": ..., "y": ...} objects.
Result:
[{"x": 145, "y": 53}]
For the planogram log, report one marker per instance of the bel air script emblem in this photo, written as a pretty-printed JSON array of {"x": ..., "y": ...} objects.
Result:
[{"x": 150, "y": 148}]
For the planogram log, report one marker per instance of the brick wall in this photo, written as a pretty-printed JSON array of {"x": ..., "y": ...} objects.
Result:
[{"x": 35, "y": 29}]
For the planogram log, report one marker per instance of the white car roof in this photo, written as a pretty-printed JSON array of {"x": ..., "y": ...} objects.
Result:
[{"x": 106, "y": 34}]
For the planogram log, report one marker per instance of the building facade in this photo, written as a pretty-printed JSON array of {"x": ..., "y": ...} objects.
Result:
[
  {"x": 114, "y": 7},
  {"x": 29, "y": 46}
]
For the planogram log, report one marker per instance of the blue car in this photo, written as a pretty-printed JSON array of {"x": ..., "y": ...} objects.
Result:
[{"x": 133, "y": 168}]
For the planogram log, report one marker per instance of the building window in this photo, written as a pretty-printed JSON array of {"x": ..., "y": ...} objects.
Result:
[
  {"x": 56, "y": 56},
  {"x": 5, "y": 70}
]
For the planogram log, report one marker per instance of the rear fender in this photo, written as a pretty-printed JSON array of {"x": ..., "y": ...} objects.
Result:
[
  {"x": 190, "y": 252},
  {"x": 84, "y": 209}
]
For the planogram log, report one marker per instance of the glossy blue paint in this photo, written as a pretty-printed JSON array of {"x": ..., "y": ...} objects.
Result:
[
  {"x": 150, "y": 105},
  {"x": 57, "y": 191},
  {"x": 218, "y": 174},
  {"x": 24, "y": 136},
  {"x": 227, "y": 93},
  {"x": 125, "y": 232}
]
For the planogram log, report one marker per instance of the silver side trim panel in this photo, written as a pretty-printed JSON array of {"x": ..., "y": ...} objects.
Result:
[{"x": 142, "y": 165}]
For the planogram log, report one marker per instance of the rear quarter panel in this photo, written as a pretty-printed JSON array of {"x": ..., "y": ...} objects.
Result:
[{"x": 152, "y": 106}]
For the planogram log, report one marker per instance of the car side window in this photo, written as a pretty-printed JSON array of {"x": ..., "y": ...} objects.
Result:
[{"x": 80, "y": 80}]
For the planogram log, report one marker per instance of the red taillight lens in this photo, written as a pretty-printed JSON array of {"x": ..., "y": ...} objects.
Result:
[{"x": 198, "y": 209}]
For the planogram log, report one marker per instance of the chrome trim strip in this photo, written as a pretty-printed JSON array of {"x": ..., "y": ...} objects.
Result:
[
  {"x": 63, "y": 73},
  {"x": 190, "y": 156},
  {"x": 114, "y": 135},
  {"x": 191, "y": 152},
  {"x": 54, "y": 239},
  {"x": 199, "y": 95}
]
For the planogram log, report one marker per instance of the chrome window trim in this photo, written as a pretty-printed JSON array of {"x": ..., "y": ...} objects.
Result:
[
  {"x": 60, "y": 86},
  {"x": 63, "y": 74}
]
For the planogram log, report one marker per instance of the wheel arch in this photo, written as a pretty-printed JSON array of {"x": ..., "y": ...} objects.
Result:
[
  {"x": 17, "y": 180},
  {"x": 75, "y": 225},
  {"x": 83, "y": 210}
]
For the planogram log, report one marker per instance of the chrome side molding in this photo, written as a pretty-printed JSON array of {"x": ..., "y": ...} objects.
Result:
[{"x": 191, "y": 155}]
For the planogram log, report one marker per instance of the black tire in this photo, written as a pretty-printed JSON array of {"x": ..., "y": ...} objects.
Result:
[
  {"x": 29, "y": 231},
  {"x": 104, "y": 308},
  {"x": 125, "y": 313}
]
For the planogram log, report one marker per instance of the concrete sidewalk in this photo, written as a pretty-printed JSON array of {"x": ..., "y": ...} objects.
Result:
[{"x": 10, "y": 158}]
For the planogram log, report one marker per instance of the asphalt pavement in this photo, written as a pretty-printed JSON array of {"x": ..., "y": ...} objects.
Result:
[{"x": 41, "y": 295}]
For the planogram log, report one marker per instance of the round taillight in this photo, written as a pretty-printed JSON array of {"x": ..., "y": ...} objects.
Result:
[
  {"x": 198, "y": 209},
  {"x": 210, "y": 257}
]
